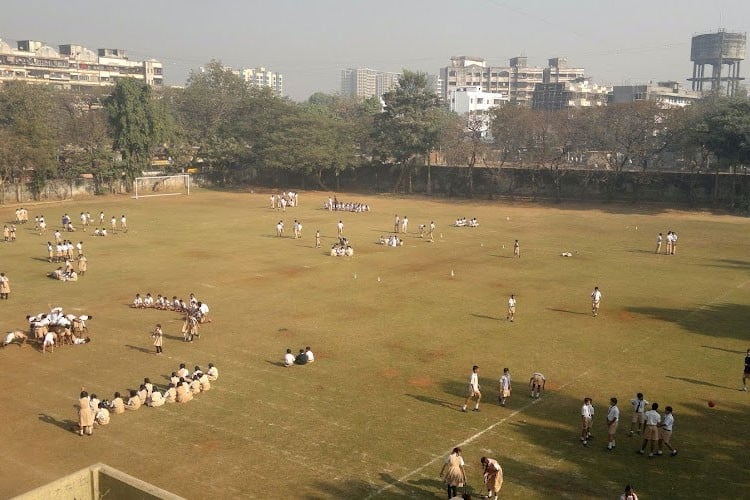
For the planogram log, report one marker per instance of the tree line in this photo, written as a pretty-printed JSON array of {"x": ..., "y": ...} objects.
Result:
[{"x": 235, "y": 134}]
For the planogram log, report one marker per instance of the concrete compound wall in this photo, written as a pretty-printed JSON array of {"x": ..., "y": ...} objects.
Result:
[{"x": 96, "y": 482}]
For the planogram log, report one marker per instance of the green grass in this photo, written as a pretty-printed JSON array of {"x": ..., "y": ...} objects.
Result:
[{"x": 377, "y": 412}]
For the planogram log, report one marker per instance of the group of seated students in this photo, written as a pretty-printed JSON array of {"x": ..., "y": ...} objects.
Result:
[
  {"x": 342, "y": 248},
  {"x": 391, "y": 241},
  {"x": 193, "y": 306},
  {"x": 462, "y": 222},
  {"x": 182, "y": 387},
  {"x": 345, "y": 206},
  {"x": 64, "y": 274},
  {"x": 100, "y": 232},
  {"x": 302, "y": 358}
]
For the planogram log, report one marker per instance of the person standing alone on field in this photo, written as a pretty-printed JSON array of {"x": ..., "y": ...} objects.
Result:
[
  {"x": 613, "y": 417},
  {"x": 474, "y": 391},
  {"x": 158, "y": 337},
  {"x": 504, "y": 387},
  {"x": 659, "y": 239},
  {"x": 516, "y": 249},
  {"x": 4, "y": 286},
  {"x": 511, "y": 308},
  {"x": 596, "y": 299}
]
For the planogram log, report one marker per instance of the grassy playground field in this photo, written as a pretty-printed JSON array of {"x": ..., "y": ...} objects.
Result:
[{"x": 395, "y": 332}]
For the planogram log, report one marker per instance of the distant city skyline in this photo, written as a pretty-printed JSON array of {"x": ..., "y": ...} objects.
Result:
[{"x": 310, "y": 43}]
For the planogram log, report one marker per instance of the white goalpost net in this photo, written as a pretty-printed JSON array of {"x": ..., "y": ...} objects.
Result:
[{"x": 161, "y": 185}]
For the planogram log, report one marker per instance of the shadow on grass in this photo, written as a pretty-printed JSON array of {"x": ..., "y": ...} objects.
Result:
[
  {"x": 640, "y": 250},
  {"x": 66, "y": 424},
  {"x": 276, "y": 363},
  {"x": 42, "y": 259},
  {"x": 173, "y": 337},
  {"x": 456, "y": 405},
  {"x": 553, "y": 309},
  {"x": 731, "y": 263},
  {"x": 719, "y": 320},
  {"x": 701, "y": 382},
  {"x": 732, "y": 351},
  {"x": 137, "y": 348},
  {"x": 485, "y": 317}
]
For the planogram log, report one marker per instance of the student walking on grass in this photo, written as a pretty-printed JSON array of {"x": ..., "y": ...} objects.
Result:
[{"x": 474, "y": 391}]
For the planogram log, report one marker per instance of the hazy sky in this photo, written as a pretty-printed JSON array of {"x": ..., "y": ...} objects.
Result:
[{"x": 310, "y": 41}]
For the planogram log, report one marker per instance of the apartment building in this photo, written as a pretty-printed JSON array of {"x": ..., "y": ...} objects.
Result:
[
  {"x": 261, "y": 77},
  {"x": 73, "y": 66},
  {"x": 517, "y": 80},
  {"x": 581, "y": 93},
  {"x": 666, "y": 94},
  {"x": 365, "y": 82},
  {"x": 474, "y": 100}
]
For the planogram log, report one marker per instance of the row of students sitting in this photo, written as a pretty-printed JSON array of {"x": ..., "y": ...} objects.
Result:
[
  {"x": 346, "y": 206},
  {"x": 462, "y": 222},
  {"x": 391, "y": 241},
  {"x": 193, "y": 306},
  {"x": 302, "y": 358},
  {"x": 181, "y": 389}
]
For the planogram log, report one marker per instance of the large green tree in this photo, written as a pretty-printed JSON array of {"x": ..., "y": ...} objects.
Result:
[
  {"x": 29, "y": 137},
  {"x": 138, "y": 123},
  {"x": 409, "y": 126}
]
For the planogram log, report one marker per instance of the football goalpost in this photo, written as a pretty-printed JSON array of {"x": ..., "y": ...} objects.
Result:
[{"x": 161, "y": 185}]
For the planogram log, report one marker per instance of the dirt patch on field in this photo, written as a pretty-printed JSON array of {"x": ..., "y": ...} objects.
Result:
[
  {"x": 625, "y": 316},
  {"x": 390, "y": 373},
  {"x": 427, "y": 356},
  {"x": 421, "y": 382},
  {"x": 209, "y": 445},
  {"x": 394, "y": 344}
]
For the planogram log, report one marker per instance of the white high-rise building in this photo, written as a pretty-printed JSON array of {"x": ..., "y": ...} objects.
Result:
[
  {"x": 366, "y": 82},
  {"x": 262, "y": 77}
]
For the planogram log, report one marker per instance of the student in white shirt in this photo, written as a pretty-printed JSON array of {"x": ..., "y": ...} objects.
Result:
[
  {"x": 639, "y": 408},
  {"x": 309, "y": 354},
  {"x": 587, "y": 415},
  {"x": 474, "y": 391},
  {"x": 651, "y": 431},
  {"x": 596, "y": 299},
  {"x": 665, "y": 431},
  {"x": 613, "y": 417},
  {"x": 288, "y": 358},
  {"x": 511, "y": 308},
  {"x": 212, "y": 373}
]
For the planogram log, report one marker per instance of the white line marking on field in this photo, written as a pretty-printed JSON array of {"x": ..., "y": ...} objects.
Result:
[{"x": 525, "y": 407}]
